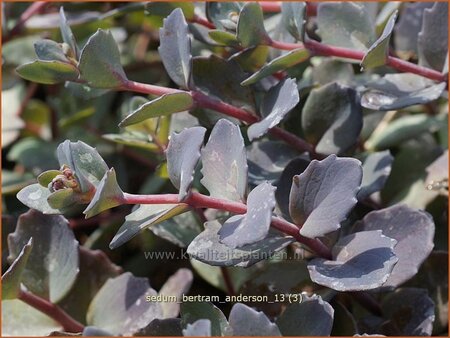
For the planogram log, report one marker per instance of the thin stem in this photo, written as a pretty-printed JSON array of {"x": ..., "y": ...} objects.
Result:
[
  {"x": 53, "y": 311},
  {"x": 319, "y": 48},
  {"x": 227, "y": 281},
  {"x": 203, "y": 21},
  {"x": 197, "y": 200},
  {"x": 145, "y": 88},
  {"x": 33, "y": 9},
  {"x": 270, "y": 6},
  {"x": 368, "y": 302}
]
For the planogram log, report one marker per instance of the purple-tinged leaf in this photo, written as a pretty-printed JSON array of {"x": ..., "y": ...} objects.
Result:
[
  {"x": 207, "y": 248},
  {"x": 176, "y": 286},
  {"x": 410, "y": 312},
  {"x": 244, "y": 321},
  {"x": 86, "y": 163},
  {"x": 193, "y": 311},
  {"x": 67, "y": 35},
  {"x": 100, "y": 62},
  {"x": 345, "y": 24},
  {"x": 12, "y": 278},
  {"x": 267, "y": 160},
  {"x": 344, "y": 324},
  {"x": 199, "y": 328},
  {"x": 295, "y": 167},
  {"x": 161, "y": 106},
  {"x": 144, "y": 217},
  {"x": 120, "y": 307},
  {"x": 406, "y": 31},
  {"x": 52, "y": 269},
  {"x": 437, "y": 177},
  {"x": 376, "y": 169},
  {"x": 361, "y": 261},
  {"x": 175, "y": 48},
  {"x": 279, "y": 101},
  {"x": 414, "y": 232},
  {"x": 312, "y": 316},
  {"x": 224, "y": 162},
  {"x": 395, "y": 91},
  {"x": 252, "y": 227},
  {"x": 323, "y": 195},
  {"x": 107, "y": 195},
  {"x": 183, "y": 153},
  {"x": 332, "y": 118},
  {"x": 95, "y": 270},
  {"x": 377, "y": 55},
  {"x": 250, "y": 27},
  {"x": 293, "y": 18},
  {"x": 433, "y": 275},
  {"x": 170, "y": 327},
  {"x": 49, "y": 50},
  {"x": 433, "y": 38}
]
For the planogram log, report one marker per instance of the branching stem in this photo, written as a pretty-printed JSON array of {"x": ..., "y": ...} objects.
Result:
[{"x": 197, "y": 200}]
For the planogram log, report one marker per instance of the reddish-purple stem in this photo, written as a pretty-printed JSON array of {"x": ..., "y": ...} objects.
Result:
[
  {"x": 197, "y": 200},
  {"x": 53, "y": 311}
]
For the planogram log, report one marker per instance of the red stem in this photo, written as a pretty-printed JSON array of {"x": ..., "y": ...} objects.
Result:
[
  {"x": 270, "y": 6},
  {"x": 319, "y": 48},
  {"x": 197, "y": 200},
  {"x": 55, "y": 312},
  {"x": 203, "y": 21},
  {"x": 227, "y": 281},
  {"x": 33, "y": 9},
  {"x": 145, "y": 88}
]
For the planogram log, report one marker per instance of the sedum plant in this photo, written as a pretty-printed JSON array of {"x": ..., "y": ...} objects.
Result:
[{"x": 296, "y": 157}]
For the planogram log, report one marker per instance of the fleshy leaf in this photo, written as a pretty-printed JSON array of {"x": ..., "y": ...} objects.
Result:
[
  {"x": 162, "y": 106},
  {"x": 207, "y": 248},
  {"x": 361, "y": 261},
  {"x": 35, "y": 197},
  {"x": 12, "y": 278},
  {"x": 345, "y": 24},
  {"x": 406, "y": 31},
  {"x": 183, "y": 153},
  {"x": 377, "y": 55},
  {"x": 279, "y": 101},
  {"x": 175, "y": 48},
  {"x": 404, "y": 128},
  {"x": 410, "y": 312},
  {"x": 163, "y": 9},
  {"x": 332, "y": 118},
  {"x": 100, "y": 62},
  {"x": 221, "y": 78},
  {"x": 244, "y": 321},
  {"x": 67, "y": 34},
  {"x": 177, "y": 285},
  {"x": 20, "y": 319},
  {"x": 193, "y": 311},
  {"x": 53, "y": 267},
  {"x": 48, "y": 72},
  {"x": 62, "y": 199},
  {"x": 240, "y": 230},
  {"x": 199, "y": 328},
  {"x": 144, "y": 217},
  {"x": 250, "y": 28},
  {"x": 437, "y": 174},
  {"x": 395, "y": 91},
  {"x": 293, "y": 17},
  {"x": 310, "y": 317},
  {"x": 323, "y": 195},
  {"x": 107, "y": 195},
  {"x": 49, "y": 50},
  {"x": 224, "y": 38},
  {"x": 280, "y": 63},
  {"x": 122, "y": 298},
  {"x": 87, "y": 164},
  {"x": 224, "y": 162},
  {"x": 376, "y": 170},
  {"x": 267, "y": 160},
  {"x": 218, "y": 12},
  {"x": 46, "y": 177},
  {"x": 414, "y": 232},
  {"x": 170, "y": 327},
  {"x": 433, "y": 38},
  {"x": 95, "y": 270}
]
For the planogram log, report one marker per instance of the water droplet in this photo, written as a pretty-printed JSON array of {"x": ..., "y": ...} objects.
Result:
[{"x": 376, "y": 99}]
